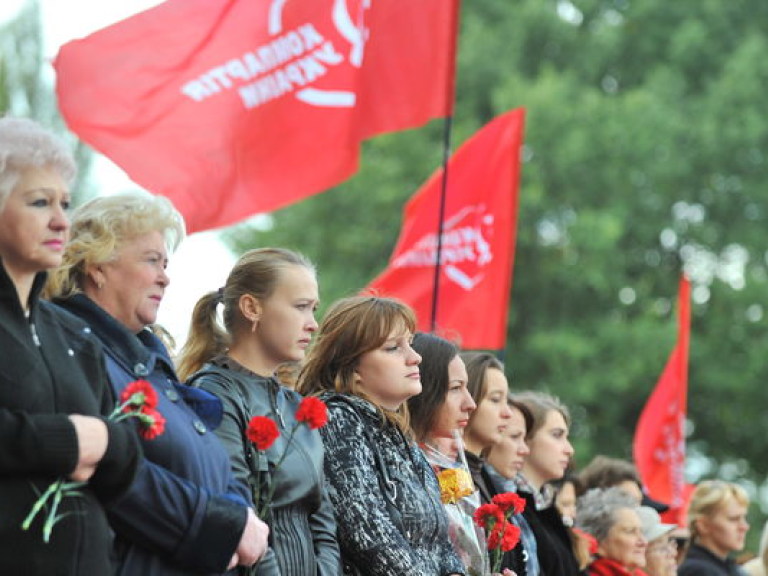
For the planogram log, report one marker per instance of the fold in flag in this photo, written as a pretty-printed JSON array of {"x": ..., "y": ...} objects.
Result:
[
  {"x": 236, "y": 107},
  {"x": 659, "y": 443},
  {"x": 478, "y": 240}
]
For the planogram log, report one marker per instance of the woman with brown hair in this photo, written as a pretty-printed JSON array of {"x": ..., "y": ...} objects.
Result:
[{"x": 385, "y": 494}]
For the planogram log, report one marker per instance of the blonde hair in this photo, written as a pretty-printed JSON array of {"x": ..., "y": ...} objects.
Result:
[
  {"x": 25, "y": 144},
  {"x": 708, "y": 497},
  {"x": 352, "y": 327},
  {"x": 258, "y": 273},
  {"x": 103, "y": 225}
]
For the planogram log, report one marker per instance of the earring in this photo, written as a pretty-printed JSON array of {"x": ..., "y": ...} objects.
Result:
[{"x": 254, "y": 325}]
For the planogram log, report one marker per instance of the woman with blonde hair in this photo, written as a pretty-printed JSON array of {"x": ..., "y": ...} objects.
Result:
[
  {"x": 268, "y": 309},
  {"x": 717, "y": 517},
  {"x": 54, "y": 394},
  {"x": 184, "y": 513},
  {"x": 385, "y": 494}
]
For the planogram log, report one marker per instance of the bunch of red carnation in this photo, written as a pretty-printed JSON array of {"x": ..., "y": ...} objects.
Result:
[
  {"x": 496, "y": 519},
  {"x": 139, "y": 400},
  {"x": 262, "y": 432}
]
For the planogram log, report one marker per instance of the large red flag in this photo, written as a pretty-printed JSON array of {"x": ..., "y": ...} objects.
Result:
[
  {"x": 478, "y": 239},
  {"x": 235, "y": 107},
  {"x": 659, "y": 444}
]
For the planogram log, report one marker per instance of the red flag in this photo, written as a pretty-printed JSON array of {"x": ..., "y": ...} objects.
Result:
[
  {"x": 235, "y": 107},
  {"x": 659, "y": 444},
  {"x": 477, "y": 244}
]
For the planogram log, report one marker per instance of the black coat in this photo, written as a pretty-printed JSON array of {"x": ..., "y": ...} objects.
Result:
[
  {"x": 47, "y": 374},
  {"x": 699, "y": 561},
  {"x": 555, "y": 551}
]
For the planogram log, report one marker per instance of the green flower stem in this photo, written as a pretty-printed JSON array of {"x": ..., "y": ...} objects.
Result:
[
  {"x": 42, "y": 501},
  {"x": 273, "y": 485},
  {"x": 52, "y": 518}
]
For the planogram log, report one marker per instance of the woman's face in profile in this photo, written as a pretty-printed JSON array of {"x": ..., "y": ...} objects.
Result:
[
  {"x": 723, "y": 530},
  {"x": 492, "y": 415},
  {"x": 624, "y": 542},
  {"x": 454, "y": 412},
  {"x": 133, "y": 284}
]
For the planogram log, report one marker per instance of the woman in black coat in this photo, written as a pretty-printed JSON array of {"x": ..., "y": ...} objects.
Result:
[{"x": 54, "y": 393}]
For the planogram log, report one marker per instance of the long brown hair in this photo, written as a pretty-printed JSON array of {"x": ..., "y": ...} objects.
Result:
[{"x": 350, "y": 328}]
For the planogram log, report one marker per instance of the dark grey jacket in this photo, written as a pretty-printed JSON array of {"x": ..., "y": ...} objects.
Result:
[{"x": 302, "y": 526}]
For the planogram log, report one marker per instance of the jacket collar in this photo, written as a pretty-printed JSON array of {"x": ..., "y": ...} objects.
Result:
[
  {"x": 139, "y": 352},
  {"x": 9, "y": 297},
  {"x": 698, "y": 551}
]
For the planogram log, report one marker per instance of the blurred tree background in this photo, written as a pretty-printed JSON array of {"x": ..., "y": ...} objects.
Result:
[{"x": 645, "y": 156}]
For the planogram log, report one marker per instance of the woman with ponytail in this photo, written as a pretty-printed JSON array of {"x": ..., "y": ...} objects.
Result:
[{"x": 268, "y": 302}]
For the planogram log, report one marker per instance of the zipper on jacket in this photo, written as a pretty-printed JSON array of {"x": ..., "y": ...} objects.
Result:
[
  {"x": 32, "y": 329},
  {"x": 273, "y": 400}
]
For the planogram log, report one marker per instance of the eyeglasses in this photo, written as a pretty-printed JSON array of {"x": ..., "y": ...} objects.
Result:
[{"x": 668, "y": 547}]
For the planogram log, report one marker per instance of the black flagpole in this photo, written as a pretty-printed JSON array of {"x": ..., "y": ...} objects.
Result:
[{"x": 447, "y": 126}]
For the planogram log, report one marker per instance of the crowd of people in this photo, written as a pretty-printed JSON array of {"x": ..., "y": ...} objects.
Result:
[{"x": 407, "y": 438}]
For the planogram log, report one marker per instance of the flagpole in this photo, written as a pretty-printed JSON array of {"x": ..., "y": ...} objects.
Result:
[{"x": 447, "y": 129}]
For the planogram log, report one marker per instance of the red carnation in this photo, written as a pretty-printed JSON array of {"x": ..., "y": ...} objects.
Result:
[
  {"x": 511, "y": 537},
  {"x": 494, "y": 537},
  {"x": 509, "y": 502},
  {"x": 313, "y": 412},
  {"x": 138, "y": 394},
  {"x": 151, "y": 423},
  {"x": 488, "y": 515},
  {"x": 262, "y": 431}
]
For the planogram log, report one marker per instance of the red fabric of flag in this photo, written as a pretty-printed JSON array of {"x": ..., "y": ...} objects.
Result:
[
  {"x": 659, "y": 443},
  {"x": 478, "y": 239},
  {"x": 235, "y": 107}
]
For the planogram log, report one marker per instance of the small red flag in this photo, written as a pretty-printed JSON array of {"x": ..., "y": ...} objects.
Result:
[
  {"x": 659, "y": 443},
  {"x": 478, "y": 239},
  {"x": 235, "y": 107}
]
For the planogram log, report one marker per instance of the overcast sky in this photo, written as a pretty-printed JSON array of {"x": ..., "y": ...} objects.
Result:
[{"x": 202, "y": 262}]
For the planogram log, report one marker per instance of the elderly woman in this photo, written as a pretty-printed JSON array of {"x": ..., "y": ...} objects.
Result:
[
  {"x": 185, "y": 513},
  {"x": 610, "y": 516},
  {"x": 385, "y": 495},
  {"x": 661, "y": 553},
  {"x": 717, "y": 515},
  {"x": 54, "y": 393}
]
